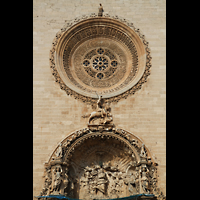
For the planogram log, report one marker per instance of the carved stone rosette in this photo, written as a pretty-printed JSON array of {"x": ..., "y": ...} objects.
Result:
[
  {"x": 105, "y": 164},
  {"x": 105, "y": 53}
]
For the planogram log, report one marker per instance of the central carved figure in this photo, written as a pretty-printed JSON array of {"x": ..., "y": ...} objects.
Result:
[
  {"x": 96, "y": 179},
  {"x": 102, "y": 114}
]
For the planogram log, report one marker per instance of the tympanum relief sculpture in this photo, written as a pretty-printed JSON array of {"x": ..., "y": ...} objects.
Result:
[{"x": 100, "y": 161}]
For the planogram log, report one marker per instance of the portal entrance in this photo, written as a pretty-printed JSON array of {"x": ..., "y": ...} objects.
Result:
[{"x": 100, "y": 163}]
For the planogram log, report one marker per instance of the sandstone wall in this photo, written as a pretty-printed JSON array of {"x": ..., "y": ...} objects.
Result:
[{"x": 55, "y": 115}]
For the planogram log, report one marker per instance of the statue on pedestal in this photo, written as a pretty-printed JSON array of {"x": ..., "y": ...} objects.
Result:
[{"x": 102, "y": 115}]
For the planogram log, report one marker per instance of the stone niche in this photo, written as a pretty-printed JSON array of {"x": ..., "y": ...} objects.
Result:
[{"x": 106, "y": 163}]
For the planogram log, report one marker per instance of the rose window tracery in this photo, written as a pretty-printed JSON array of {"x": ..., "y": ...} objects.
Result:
[
  {"x": 100, "y": 75},
  {"x": 105, "y": 55},
  {"x": 114, "y": 63},
  {"x": 100, "y": 63},
  {"x": 100, "y": 51},
  {"x": 86, "y": 63}
]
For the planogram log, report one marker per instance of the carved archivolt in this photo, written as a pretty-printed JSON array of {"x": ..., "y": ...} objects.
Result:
[
  {"x": 104, "y": 54},
  {"x": 101, "y": 163}
]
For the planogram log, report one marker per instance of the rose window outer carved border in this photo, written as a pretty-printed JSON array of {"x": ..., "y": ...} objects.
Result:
[{"x": 126, "y": 54}]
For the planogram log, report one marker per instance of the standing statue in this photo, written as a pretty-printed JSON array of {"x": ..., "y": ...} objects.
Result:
[
  {"x": 142, "y": 153},
  {"x": 85, "y": 185},
  {"x": 58, "y": 153},
  {"x": 144, "y": 180},
  {"x": 65, "y": 182},
  {"x": 100, "y": 13},
  {"x": 100, "y": 107},
  {"x": 101, "y": 182},
  {"x": 57, "y": 178}
]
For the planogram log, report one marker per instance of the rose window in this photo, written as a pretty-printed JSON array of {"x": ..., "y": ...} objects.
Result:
[
  {"x": 107, "y": 55},
  {"x": 100, "y": 63}
]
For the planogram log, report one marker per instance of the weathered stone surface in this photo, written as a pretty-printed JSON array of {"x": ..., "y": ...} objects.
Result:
[{"x": 56, "y": 115}]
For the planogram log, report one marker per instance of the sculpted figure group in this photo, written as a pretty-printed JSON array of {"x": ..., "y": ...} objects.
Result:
[{"x": 105, "y": 182}]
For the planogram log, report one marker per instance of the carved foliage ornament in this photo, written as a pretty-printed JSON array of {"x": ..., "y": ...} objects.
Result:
[
  {"x": 104, "y": 54},
  {"x": 106, "y": 164}
]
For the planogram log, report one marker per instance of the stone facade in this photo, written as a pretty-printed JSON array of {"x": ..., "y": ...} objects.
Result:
[{"x": 56, "y": 115}]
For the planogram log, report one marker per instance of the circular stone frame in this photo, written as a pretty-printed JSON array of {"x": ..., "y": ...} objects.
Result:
[{"x": 91, "y": 31}]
